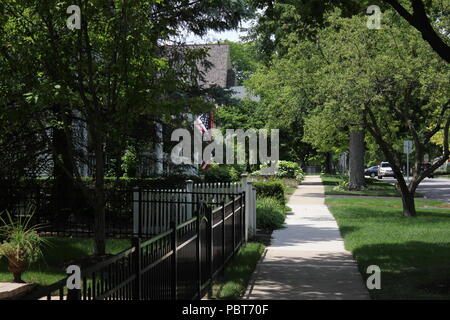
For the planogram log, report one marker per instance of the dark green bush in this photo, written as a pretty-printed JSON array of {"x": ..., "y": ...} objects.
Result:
[
  {"x": 274, "y": 189},
  {"x": 223, "y": 173},
  {"x": 285, "y": 170},
  {"x": 270, "y": 214}
]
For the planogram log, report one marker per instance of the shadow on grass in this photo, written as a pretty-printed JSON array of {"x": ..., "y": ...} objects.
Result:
[
  {"x": 409, "y": 270},
  {"x": 238, "y": 272}
]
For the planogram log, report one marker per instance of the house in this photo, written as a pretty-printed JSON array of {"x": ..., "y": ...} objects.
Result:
[{"x": 216, "y": 72}]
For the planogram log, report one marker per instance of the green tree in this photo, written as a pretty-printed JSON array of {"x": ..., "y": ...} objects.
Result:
[
  {"x": 108, "y": 73},
  {"x": 395, "y": 85},
  {"x": 431, "y": 19},
  {"x": 244, "y": 58}
]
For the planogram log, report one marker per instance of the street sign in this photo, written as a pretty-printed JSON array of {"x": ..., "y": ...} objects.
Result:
[{"x": 407, "y": 146}]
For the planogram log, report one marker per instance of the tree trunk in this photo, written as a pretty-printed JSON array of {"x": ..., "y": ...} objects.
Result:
[
  {"x": 329, "y": 163},
  {"x": 409, "y": 206},
  {"x": 63, "y": 167},
  {"x": 356, "y": 163},
  {"x": 99, "y": 205},
  {"x": 99, "y": 200}
]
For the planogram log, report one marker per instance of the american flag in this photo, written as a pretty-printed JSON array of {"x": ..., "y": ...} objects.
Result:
[{"x": 199, "y": 124}]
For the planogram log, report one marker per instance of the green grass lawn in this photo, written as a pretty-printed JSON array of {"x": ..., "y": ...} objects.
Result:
[
  {"x": 57, "y": 255},
  {"x": 237, "y": 274},
  {"x": 413, "y": 253},
  {"x": 375, "y": 187}
]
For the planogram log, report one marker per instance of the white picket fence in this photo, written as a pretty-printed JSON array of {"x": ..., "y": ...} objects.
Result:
[{"x": 153, "y": 210}]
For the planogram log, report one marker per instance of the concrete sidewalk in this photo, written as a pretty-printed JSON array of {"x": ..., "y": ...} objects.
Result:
[{"x": 307, "y": 259}]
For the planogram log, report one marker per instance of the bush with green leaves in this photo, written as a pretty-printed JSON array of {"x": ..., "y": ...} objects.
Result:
[
  {"x": 130, "y": 162},
  {"x": 342, "y": 185},
  {"x": 223, "y": 173},
  {"x": 285, "y": 170},
  {"x": 270, "y": 214},
  {"x": 273, "y": 189},
  {"x": 289, "y": 169}
]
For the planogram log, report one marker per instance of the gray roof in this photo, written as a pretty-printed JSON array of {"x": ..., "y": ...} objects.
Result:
[{"x": 221, "y": 73}]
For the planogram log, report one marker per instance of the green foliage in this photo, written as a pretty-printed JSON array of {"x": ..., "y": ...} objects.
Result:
[
  {"x": 223, "y": 173},
  {"x": 238, "y": 273},
  {"x": 286, "y": 170},
  {"x": 22, "y": 241},
  {"x": 59, "y": 253},
  {"x": 289, "y": 169},
  {"x": 245, "y": 114},
  {"x": 270, "y": 214},
  {"x": 273, "y": 189},
  {"x": 130, "y": 163},
  {"x": 342, "y": 186},
  {"x": 244, "y": 59}
]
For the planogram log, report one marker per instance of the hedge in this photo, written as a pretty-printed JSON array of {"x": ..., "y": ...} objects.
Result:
[
  {"x": 124, "y": 183},
  {"x": 270, "y": 214},
  {"x": 223, "y": 173},
  {"x": 273, "y": 189}
]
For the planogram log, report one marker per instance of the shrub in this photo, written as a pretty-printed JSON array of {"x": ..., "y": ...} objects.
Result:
[
  {"x": 286, "y": 170},
  {"x": 273, "y": 189},
  {"x": 342, "y": 186},
  {"x": 223, "y": 173},
  {"x": 130, "y": 163},
  {"x": 270, "y": 214},
  {"x": 289, "y": 169}
]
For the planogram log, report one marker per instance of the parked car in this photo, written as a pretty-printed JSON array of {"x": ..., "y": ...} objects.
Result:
[
  {"x": 424, "y": 166},
  {"x": 385, "y": 170},
  {"x": 372, "y": 171}
]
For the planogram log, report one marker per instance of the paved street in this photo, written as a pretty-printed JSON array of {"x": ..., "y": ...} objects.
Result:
[
  {"x": 435, "y": 188},
  {"x": 307, "y": 259}
]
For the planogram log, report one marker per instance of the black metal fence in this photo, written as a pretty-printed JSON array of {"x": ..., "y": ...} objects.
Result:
[
  {"x": 130, "y": 212},
  {"x": 69, "y": 214},
  {"x": 180, "y": 263}
]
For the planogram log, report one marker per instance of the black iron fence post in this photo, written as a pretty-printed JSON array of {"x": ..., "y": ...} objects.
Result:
[
  {"x": 234, "y": 224},
  {"x": 199, "y": 255},
  {"x": 223, "y": 233},
  {"x": 243, "y": 226},
  {"x": 173, "y": 226},
  {"x": 137, "y": 289},
  {"x": 211, "y": 249},
  {"x": 140, "y": 219},
  {"x": 74, "y": 294}
]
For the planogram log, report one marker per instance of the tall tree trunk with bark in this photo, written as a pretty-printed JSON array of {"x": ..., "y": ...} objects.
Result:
[
  {"x": 356, "y": 163},
  {"x": 329, "y": 163},
  {"x": 99, "y": 195},
  {"x": 63, "y": 166}
]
